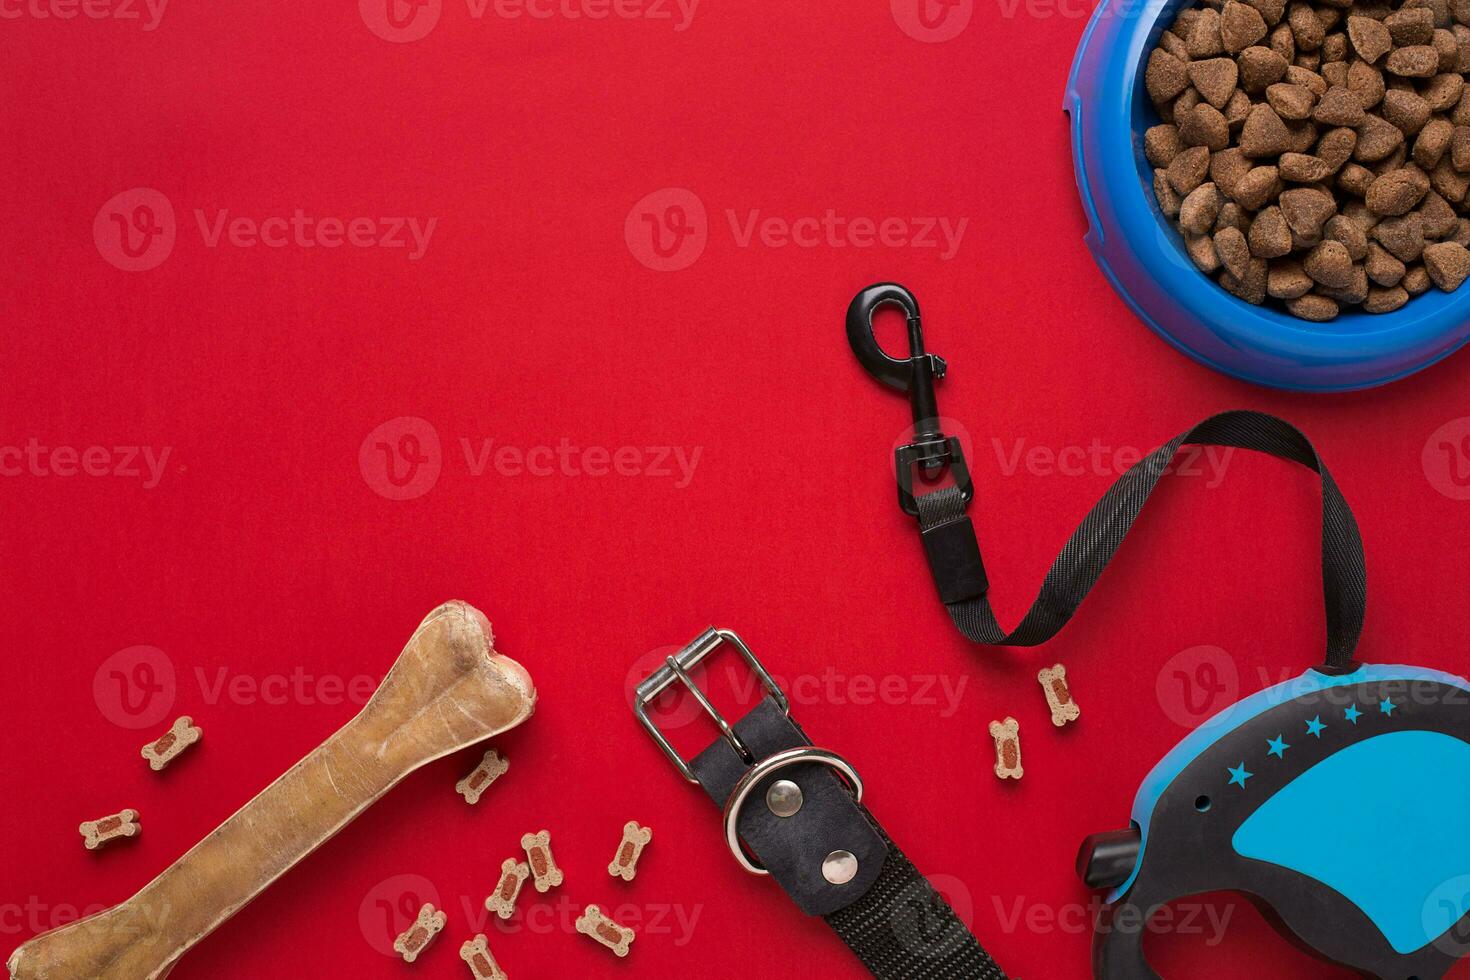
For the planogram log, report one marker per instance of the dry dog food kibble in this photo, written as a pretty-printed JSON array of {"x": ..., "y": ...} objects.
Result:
[
  {"x": 543, "y": 865},
  {"x": 1059, "y": 695},
  {"x": 625, "y": 863},
  {"x": 597, "y": 925},
  {"x": 491, "y": 768},
  {"x": 476, "y": 953},
  {"x": 1007, "y": 735},
  {"x": 422, "y": 932},
  {"x": 174, "y": 741},
  {"x": 95, "y": 833},
  {"x": 513, "y": 875},
  {"x": 1316, "y": 153}
]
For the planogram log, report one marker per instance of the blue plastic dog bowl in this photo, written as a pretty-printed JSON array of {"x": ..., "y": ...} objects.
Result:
[{"x": 1143, "y": 255}]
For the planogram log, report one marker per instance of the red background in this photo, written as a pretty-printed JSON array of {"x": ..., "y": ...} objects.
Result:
[{"x": 264, "y": 550}]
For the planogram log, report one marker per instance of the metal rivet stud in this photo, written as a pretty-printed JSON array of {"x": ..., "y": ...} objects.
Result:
[
  {"x": 840, "y": 867},
  {"x": 784, "y": 798}
]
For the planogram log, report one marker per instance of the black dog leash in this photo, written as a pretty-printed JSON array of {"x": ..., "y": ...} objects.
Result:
[
  {"x": 949, "y": 536},
  {"x": 794, "y": 811}
]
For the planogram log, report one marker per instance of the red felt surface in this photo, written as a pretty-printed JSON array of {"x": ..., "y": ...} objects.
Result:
[{"x": 271, "y": 567}]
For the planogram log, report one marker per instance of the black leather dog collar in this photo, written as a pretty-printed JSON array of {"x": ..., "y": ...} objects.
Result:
[{"x": 794, "y": 811}]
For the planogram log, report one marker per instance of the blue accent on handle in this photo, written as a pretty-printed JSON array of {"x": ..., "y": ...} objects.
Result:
[
  {"x": 1392, "y": 842},
  {"x": 1227, "y": 721},
  {"x": 1142, "y": 254}
]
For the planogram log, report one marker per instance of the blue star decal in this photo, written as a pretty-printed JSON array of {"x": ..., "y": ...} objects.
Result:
[
  {"x": 1386, "y": 706},
  {"x": 1278, "y": 746},
  {"x": 1315, "y": 726},
  {"x": 1238, "y": 776},
  {"x": 1353, "y": 714}
]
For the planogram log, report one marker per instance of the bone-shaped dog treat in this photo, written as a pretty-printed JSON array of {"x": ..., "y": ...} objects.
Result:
[
  {"x": 625, "y": 862},
  {"x": 1007, "y": 735},
  {"x": 99, "y": 832},
  {"x": 513, "y": 875},
  {"x": 491, "y": 768},
  {"x": 1059, "y": 695},
  {"x": 597, "y": 925},
  {"x": 422, "y": 932},
  {"x": 543, "y": 866},
  {"x": 174, "y": 741},
  {"x": 482, "y": 965},
  {"x": 448, "y": 690}
]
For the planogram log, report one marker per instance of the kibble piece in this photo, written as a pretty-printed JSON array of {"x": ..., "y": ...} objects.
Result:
[
  {"x": 1461, "y": 234},
  {"x": 1203, "y": 40},
  {"x": 1382, "y": 267},
  {"x": 1214, "y": 79},
  {"x": 1341, "y": 228},
  {"x": 1432, "y": 142},
  {"x": 1449, "y": 182},
  {"x": 1335, "y": 148},
  {"x": 1355, "y": 179},
  {"x": 1330, "y": 265},
  {"x": 1377, "y": 138},
  {"x": 1397, "y": 192},
  {"x": 1392, "y": 162},
  {"x": 1264, "y": 134},
  {"x": 1460, "y": 148},
  {"x": 1416, "y": 280},
  {"x": 1385, "y": 300},
  {"x": 1301, "y": 168},
  {"x": 1301, "y": 136},
  {"x": 1204, "y": 125},
  {"x": 1202, "y": 253},
  {"x": 1287, "y": 280},
  {"x": 1297, "y": 75},
  {"x": 1270, "y": 236},
  {"x": 1461, "y": 34},
  {"x": 1306, "y": 209},
  {"x": 1254, "y": 189},
  {"x": 1403, "y": 237},
  {"x": 1448, "y": 264},
  {"x": 1306, "y": 28},
  {"x": 1440, "y": 220},
  {"x": 1443, "y": 91},
  {"x": 1260, "y": 67},
  {"x": 1357, "y": 212},
  {"x": 1410, "y": 26},
  {"x": 1189, "y": 168},
  {"x": 1199, "y": 210},
  {"x": 1271, "y": 10},
  {"x": 1319, "y": 309},
  {"x": 1366, "y": 82},
  {"x": 1353, "y": 294},
  {"x": 1251, "y": 287},
  {"x": 1161, "y": 144},
  {"x": 1240, "y": 26},
  {"x": 1406, "y": 109},
  {"x": 1226, "y": 169},
  {"x": 1237, "y": 109},
  {"x": 1174, "y": 44},
  {"x": 1310, "y": 60},
  {"x": 1335, "y": 73},
  {"x": 1448, "y": 47},
  {"x": 1460, "y": 114},
  {"x": 1370, "y": 38},
  {"x": 1291, "y": 101},
  {"x": 1233, "y": 251},
  {"x": 1186, "y": 101},
  {"x": 1416, "y": 61},
  {"x": 1334, "y": 50},
  {"x": 1232, "y": 215},
  {"x": 1340, "y": 106},
  {"x": 1165, "y": 77}
]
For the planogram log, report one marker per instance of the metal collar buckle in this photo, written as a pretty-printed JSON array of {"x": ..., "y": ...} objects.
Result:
[
  {"x": 676, "y": 670},
  {"x": 931, "y": 449}
]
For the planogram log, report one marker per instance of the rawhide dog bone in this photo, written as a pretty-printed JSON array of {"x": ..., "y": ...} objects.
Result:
[
  {"x": 416, "y": 937},
  {"x": 172, "y": 743},
  {"x": 543, "y": 866},
  {"x": 448, "y": 690},
  {"x": 95, "y": 833},
  {"x": 1007, "y": 735},
  {"x": 597, "y": 925},
  {"x": 1059, "y": 695},
  {"x": 491, "y": 768},
  {"x": 513, "y": 875},
  {"x": 482, "y": 965},
  {"x": 625, "y": 862}
]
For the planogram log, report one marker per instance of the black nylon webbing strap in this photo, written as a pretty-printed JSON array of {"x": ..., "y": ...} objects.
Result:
[{"x": 961, "y": 577}]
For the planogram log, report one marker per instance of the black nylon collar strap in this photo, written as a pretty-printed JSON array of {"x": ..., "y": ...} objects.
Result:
[{"x": 888, "y": 914}]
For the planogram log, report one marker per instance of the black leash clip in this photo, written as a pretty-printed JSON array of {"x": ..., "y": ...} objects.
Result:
[{"x": 931, "y": 449}]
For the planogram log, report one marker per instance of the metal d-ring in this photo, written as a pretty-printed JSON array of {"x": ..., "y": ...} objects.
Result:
[{"x": 766, "y": 767}]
